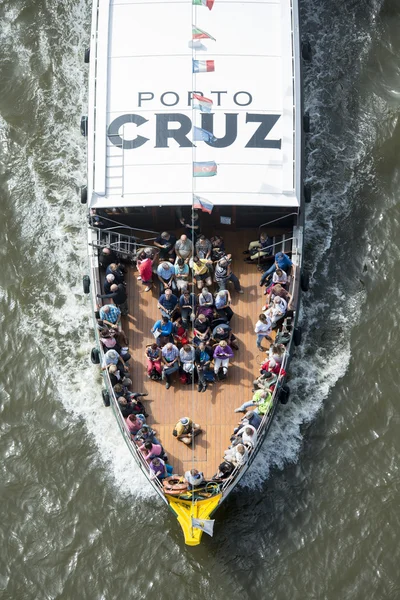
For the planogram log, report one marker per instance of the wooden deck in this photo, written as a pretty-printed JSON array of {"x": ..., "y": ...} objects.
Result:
[{"x": 214, "y": 409}]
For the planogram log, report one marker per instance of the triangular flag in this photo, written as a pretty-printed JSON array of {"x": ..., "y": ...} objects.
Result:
[{"x": 199, "y": 34}]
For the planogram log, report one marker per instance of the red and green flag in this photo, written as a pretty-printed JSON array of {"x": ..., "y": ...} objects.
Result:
[
  {"x": 208, "y": 3},
  {"x": 199, "y": 34}
]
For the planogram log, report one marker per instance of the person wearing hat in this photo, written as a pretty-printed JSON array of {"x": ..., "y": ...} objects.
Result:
[
  {"x": 185, "y": 430},
  {"x": 194, "y": 478},
  {"x": 166, "y": 243},
  {"x": 223, "y": 274}
]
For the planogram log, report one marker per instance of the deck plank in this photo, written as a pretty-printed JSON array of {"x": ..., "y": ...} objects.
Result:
[{"x": 214, "y": 409}]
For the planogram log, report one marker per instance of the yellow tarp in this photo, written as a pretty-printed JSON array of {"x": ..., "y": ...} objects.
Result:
[{"x": 186, "y": 509}]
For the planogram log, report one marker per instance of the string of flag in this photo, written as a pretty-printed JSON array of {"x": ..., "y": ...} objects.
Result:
[{"x": 204, "y": 105}]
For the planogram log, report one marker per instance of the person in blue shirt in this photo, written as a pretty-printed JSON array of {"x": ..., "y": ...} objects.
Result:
[
  {"x": 167, "y": 303},
  {"x": 282, "y": 261},
  {"x": 162, "y": 331}
]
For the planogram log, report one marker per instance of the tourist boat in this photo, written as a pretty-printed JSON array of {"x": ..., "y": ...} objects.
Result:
[{"x": 195, "y": 104}]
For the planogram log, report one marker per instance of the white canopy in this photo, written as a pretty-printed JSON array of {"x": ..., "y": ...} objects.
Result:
[{"x": 141, "y": 118}]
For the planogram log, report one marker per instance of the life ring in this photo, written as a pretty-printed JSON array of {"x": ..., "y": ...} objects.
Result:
[{"x": 174, "y": 486}]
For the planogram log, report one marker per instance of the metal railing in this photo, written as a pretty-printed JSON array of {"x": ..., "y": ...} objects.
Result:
[
  {"x": 278, "y": 219},
  {"x": 122, "y": 226}
]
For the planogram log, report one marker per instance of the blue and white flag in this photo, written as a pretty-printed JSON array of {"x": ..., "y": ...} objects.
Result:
[
  {"x": 202, "y": 135},
  {"x": 206, "y": 525}
]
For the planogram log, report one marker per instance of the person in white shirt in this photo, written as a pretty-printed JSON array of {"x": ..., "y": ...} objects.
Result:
[
  {"x": 277, "y": 310},
  {"x": 194, "y": 478},
  {"x": 279, "y": 277},
  {"x": 237, "y": 455},
  {"x": 249, "y": 435},
  {"x": 263, "y": 328}
]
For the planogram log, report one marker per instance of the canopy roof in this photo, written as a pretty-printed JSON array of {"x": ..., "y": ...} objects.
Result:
[{"x": 141, "y": 115}]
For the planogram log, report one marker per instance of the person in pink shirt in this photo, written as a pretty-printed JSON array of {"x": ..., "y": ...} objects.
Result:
[
  {"x": 135, "y": 423},
  {"x": 150, "y": 450}
]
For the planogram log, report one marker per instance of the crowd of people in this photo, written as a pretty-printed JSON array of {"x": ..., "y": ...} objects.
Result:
[{"x": 192, "y": 337}]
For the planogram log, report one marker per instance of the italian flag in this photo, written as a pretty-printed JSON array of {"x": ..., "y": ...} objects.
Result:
[
  {"x": 199, "y": 34},
  {"x": 202, "y": 103},
  {"x": 204, "y": 169},
  {"x": 203, "y": 66},
  {"x": 208, "y": 3}
]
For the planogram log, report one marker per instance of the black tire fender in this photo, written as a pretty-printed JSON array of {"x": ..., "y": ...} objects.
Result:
[
  {"x": 83, "y": 194},
  {"x": 306, "y": 50},
  {"x": 84, "y": 125},
  {"x": 87, "y": 55},
  {"x": 284, "y": 394},
  {"x": 297, "y": 333},
  {"x": 305, "y": 281},
  {"x": 95, "y": 356},
  {"x": 86, "y": 284},
  {"x": 106, "y": 397},
  {"x": 307, "y": 194}
]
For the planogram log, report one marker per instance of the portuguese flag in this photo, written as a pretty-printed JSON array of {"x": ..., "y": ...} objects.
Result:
[
  {"x": 199, "y": 34},
  {"x": 208, "y": 3}
]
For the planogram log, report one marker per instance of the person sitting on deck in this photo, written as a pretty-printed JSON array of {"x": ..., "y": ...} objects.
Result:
[
  {"x": 224, "y": 332},
  {"x": 134, "y": 423},
  {"x": 180, "y": 334},
  {"x": 194, "y": 478},
  {"x": 110, "y": 341},
  {"x": 166, "y": 276},
  {"x": 150, "y": 450},
  {"x": 272, "y": 366},
  {"x": 203, "y": 358},
  {"x": 145, "y": 267},
  {"x": 131, "y": 407},
  {"x": 250, "y": 418},
  {"x": 186, "y": 355},
  {"x": 259, "y": 248},
  {"x": 184, "y": 248},
  {"x": 274, "y": 291},
  {"x": 249, "y": 435},
  {"x": 203, "y": 247},
  {"x": 222, "y": 305},
  {"x": 111, "y": 357},
  {"x": 167, "y": 303},
  {"x": 181, "y": 274},
  {"x": 170, "y": 357},
  {"x": 222, "y": 354},
  {"x": 117, "y": 374},
  {"x": 187, "y": 303},
  {"x": 118, "y": 296},
  {"x": 114, "y": 269},
  {"x": 107, "y": 257},
  {"x": 223, "y": 274},
  {"x": 153, "y": 361},
  {"x": 261, "y": 399},
  {"x": 225, "y": 470},
  {"x": 277, "y": 352},
  {"x": 185, "y": 430},
  {"x": 110, "y": 315},
  {"x": 166, "y": 243},
  {"x": 206, "y": 303},
  {"x": 279, "y": 276},
  {"x": 265, "y": 382},
  {"x": 263, "y": 328},
  {"x": 158, "y": 468},
  {"x": 201, "y": 271},
  {"x": 277, "y": 310},
  {"x": 108, "y": 281},
  {"x": 282, "y": 261},
  {"x": 238, "y": 455},
  {"x": 162, "y": 330},
  {"x": 201, "y": 330},
  {"x": 218, "y": 248},
  {"x": 146, "y": 434}
]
